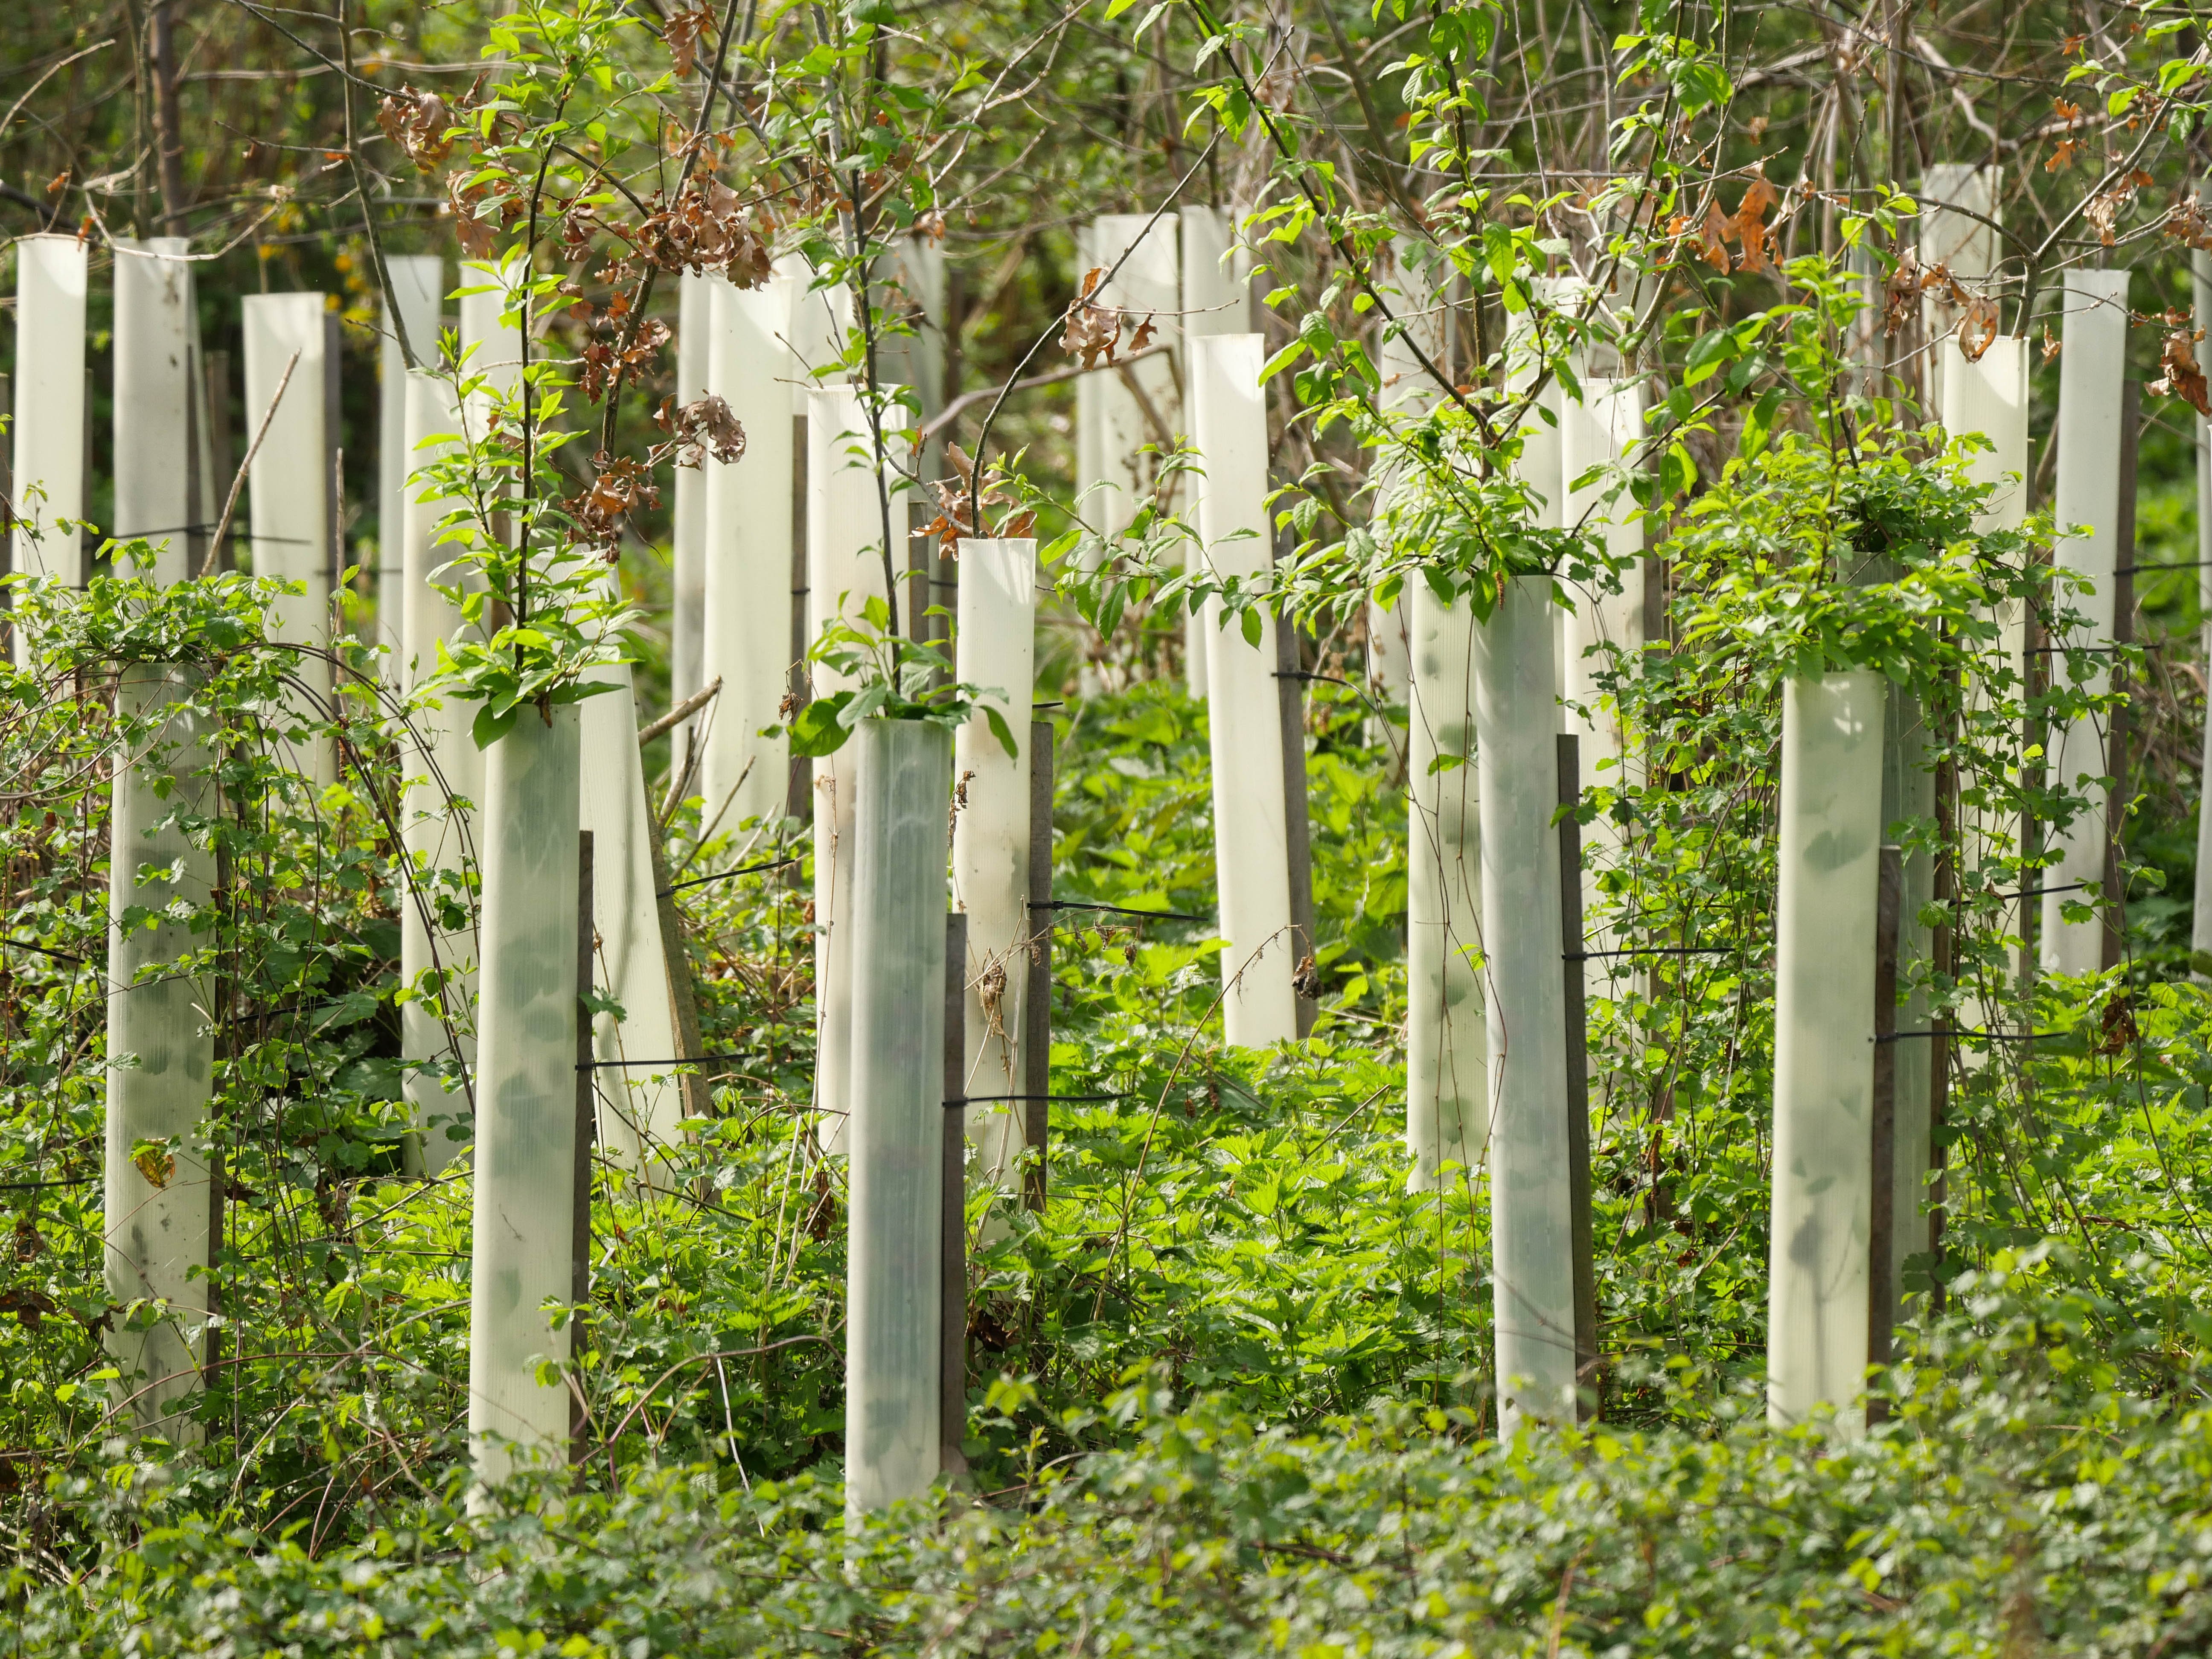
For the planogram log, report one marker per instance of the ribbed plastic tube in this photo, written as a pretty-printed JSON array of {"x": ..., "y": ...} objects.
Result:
[
  {"x": 897, "y": 1132},
  {"x": 289, "y": 487},
  {"x": 844, "y": 569},
  {"x": 159, "y": 1044},
  {"x": 1113, "y": 430},
  {"x": 1990, "y": 396},
  {"x": 2092, "y": 372},
  {"x": 1216, "y": 298},
  {"x": 526, "y": 1142},
  {"x": 1250, "y": 840},
  {"x": 688, "y": 619},
  {"x": 153, "y": 459},
  {"x": 444, "y": 775},
  {"x": 1597, "y": 432},
  {"x": 1447, "y": 1042},
  {"x": 47, "y": 478},
  {"x": 746, "y": 641},
  {"x": 996, "y": 649},
  {"x": 1419, "y": 328},
  {"x": 160, "y": 1053},
  {"x": 418, "y": 283},
  {"x": 1829, "y": 856},
  {"x": 491, "y": 345},
  {"x": 641, "y": 1107},
  {"x": 1524, "y": 985}
]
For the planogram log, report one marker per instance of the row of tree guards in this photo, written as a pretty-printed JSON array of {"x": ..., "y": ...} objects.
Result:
[{"x": 933, "y": 960}]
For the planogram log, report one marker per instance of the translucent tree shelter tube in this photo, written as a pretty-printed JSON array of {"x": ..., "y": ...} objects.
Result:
[
  {"x": 161, "y": 1043},
  {"x": 526, "y": 1140},
  {"x": 844, "y": 569},
  {"x": 1960, "y": 209},
  {"x": 155, "y": 466},
  {"x": 47, "y": 475},
  {"x": 747, "y": 642},
  {"x": 1250, "y": 851},
  {"x": 444, "y": 785},
  {"x": 2092, "y": 370},
  {"x": 1216, "y": 298},
  {"x": 1420, "y": 327},
  {"x": 1113, "y": 425},
  {"x": 1989, "y": 396},
  {"x": 639, "y": 1107},
  {"x": 996, "y": 649},
  {"x": 1524, "y": 993},
  {"x": 288, "y": 485},
  {"x": 418, "y": 283},
  {"x": 1829, "y": 865},
  {"x": 893, "y": 1379},
  {"x": 687, "y": 622}
]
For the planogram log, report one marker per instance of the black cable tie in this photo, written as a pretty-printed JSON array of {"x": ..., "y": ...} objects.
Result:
[
  {"x": 1116, "y": 910},
  {"x": 2132, "y": 570},
  {"x": 749, "y": 870},
  {"x": 1986, "y": 1036},
  {"x": 1653, "y": 950},
  {"x": 982, "y": 1100},
  {"x": 605, "y": 1065}
]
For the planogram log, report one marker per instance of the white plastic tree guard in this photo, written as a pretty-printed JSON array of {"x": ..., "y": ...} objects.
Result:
[
  {"x": 1524, "y": 995},
  {"x": 640, "y": 1108},
  {"x": 1229, "y": 422},
  {"x": 418, "y": 287},
  {"x": 156, "y": 468},
  {"x": 1419, "y": 328},
  {"x": 687, "y": 625},
  {"x": 1216, "y": 298},
  {"x": 995, "y": 647},
  {"x": 915, "y": 292},
  {"x": 2091, "y": 368},
  {"x": 817, "y": 322},
  {"x": 1830, "y": 857},
  {"x": 893, "y": 1282},
  {"x": 2200, "y": 932},
  {"x": 161, "y": 1051},
  {"x": 1447, "y": 1045},
  {"x": 1960, "y": 211},
  {"x": 746, "y": 639},
  {"x": 1599, "y": 431},
  {"x": 1989, "y": 396},
  {"x": 288, "y": 484},
  {"x": 844, "y": 569},
  {"x": 444, "y": 784},
  {"x": 1112, "y": 429},
  {"x": 526, "y": 1142},
  {"x": 491, "y": 345},
  {"x": 47, "y": 473}
]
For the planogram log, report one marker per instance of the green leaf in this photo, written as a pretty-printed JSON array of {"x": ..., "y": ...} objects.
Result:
[
  {"x": 818, "y": 730},
  {"x": 1006, "y": 737}
]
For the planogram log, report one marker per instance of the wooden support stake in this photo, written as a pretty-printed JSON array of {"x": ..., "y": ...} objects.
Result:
[
  {"x": 1290, "y": 698},
  {"x": 580, "y": 1237},
  {"x": 798, "y": 794},
  {"x": 1588, "y": 1361},
  {"x": 1881, "y": 1222},
  {"x": 1036, "y": 998},
  {"x": 2124, "y": 633},
  {"x": 683, "y": 1001},
  {"x": 952, "y": 1349}
]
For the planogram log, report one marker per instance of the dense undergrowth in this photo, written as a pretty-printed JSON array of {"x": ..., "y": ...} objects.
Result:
[{"x": 1296, "y": 1453}]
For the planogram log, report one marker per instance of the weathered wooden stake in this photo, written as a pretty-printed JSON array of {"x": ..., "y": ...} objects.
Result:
[
  {"x": 587, "y": 1134},
  {"x": 1575, "y": 1008},
  {"x": 1036, "y": 995},
  {"x": 952, "y": 1333}
]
